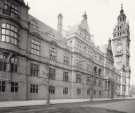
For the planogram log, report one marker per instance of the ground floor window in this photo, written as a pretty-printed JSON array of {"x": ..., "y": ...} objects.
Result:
[
  {"x": 65, "y": 91},
  {"x": 51, "y": 90},
  {"x": 14, "y": 87},
  {"x": 2, "y": 86},
  {"x": 33, "y": 88}
]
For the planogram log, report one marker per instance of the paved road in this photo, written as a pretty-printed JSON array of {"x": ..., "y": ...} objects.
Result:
[
  {"x": 124, "y": 106},
  {"x": 114, "y": 106}
]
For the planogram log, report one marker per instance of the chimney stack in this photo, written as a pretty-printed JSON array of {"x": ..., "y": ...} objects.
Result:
[{"x": 60, "y": 23}]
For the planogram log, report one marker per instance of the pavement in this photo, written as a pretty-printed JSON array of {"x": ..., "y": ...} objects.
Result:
[
  {"x": 96, "y": 106},
  {"x": 62, "y": 108},
  {"x": 107, "y": 106},
  {"x": 56, "y": 101}
]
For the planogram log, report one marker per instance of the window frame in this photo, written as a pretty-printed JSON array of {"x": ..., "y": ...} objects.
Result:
[
  {"x": 51, "y": 90},
  {"x": 66, "y": 59},
  {"x": 34, "y": 70},
  {"x": 11, "y": 9},
  {"x": 2, "y": 86},
  {"x": 34, "y": 88},
  {"x": 65, "y": 76},
  {"x": 52, "y": 73},
  {"x": 3, "y": 64},
  {"x": 9, "y": 33},
  {"x": 65, "y": 90},
  {"x": 78, "y": 78},
  {"x": 35, "y": 47},
  {"x": 14, "y": 64},
  {"x": 14, "y": 87},
  {"x": 53, "y": 54}
]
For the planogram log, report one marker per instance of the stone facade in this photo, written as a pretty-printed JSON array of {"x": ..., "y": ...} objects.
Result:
[{"x": 39, "y": 62}]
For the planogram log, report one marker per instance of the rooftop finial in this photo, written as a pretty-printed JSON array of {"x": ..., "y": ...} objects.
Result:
[
  {"x": 121, "y": 6},
  {"x": 60, "y": 22}
]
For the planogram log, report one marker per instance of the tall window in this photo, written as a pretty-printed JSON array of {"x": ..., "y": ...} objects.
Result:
[
  {"x": 33, "y": 88},
  {"x": 65, "y": 91},
  {"x": 95, "y": 71},
  {"x": 10, "y": 9},
  {"x": 9, "y": 33},
  {"x": 51, "y": 89},
  {"x": 34, "y": 69},
  {"x": 99, "y": 72},
  {"x": 2, "y": 86},
  {"x": 78, "y": 91},
  {"x": 14, "y": 61},
  {"x": 66, "y": 59},
  {"x": 52, "y": 74},
  {"x": 106, "y": 84},
  {"x": 2, "y": 62},
  {"x": 65, "y": 76},
  {"x": 35, "y": 47},
  {"x": 14, "y": 87},
  {"x": 78, "y": 78},
  {"x": 53, "y": 54}
]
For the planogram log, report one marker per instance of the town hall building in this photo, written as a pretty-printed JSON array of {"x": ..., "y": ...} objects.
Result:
[{"x": 39, "y": 62}]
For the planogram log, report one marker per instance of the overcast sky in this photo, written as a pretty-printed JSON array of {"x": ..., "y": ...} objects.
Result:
[{"x": 102, "y": 17}]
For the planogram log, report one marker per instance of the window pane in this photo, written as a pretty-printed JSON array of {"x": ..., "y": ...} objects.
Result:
[{"x": 9, "y": 33}]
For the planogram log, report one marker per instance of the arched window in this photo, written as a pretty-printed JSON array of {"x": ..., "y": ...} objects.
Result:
[
  {"x": 2, "y": 62},
  {"x": 95, "y": 70},
  {"x": 14, "y": 61}
]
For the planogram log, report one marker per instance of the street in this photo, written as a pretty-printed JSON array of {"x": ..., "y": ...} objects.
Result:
[
  {"x": 114, "y": 106},
  {"x": 124, "y": 106}
]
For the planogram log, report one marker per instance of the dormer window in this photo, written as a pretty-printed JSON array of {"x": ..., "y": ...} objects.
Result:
[{"x": 11, "y": 9}]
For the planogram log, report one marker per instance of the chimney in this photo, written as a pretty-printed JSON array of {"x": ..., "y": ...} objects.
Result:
[{"x": 60, "y": 23}]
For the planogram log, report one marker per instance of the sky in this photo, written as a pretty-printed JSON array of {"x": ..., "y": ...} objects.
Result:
[{"x": 102, "y": 17}]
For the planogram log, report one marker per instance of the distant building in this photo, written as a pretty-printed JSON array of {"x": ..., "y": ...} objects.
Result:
[
  {"x": 121, "y": 51},
  {"x": 37, "y": 60}
]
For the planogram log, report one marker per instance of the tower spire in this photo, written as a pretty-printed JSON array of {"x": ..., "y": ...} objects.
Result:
[{"x": 122, "y": 6}]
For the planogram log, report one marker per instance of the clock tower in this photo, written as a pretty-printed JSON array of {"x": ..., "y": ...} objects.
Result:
[{"x": 121, "y": 51}]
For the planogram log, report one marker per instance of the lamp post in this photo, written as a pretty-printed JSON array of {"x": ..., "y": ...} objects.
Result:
[
  {"x": 92, "y": 88},
  {"x": 48, "y": 83},
  {"x": 112, "y": 88}
]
